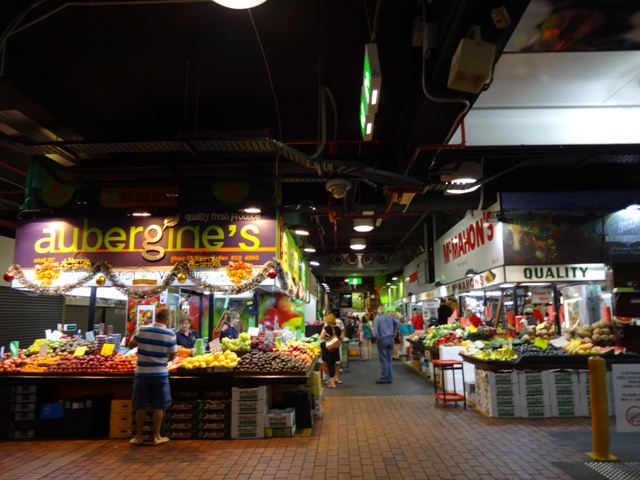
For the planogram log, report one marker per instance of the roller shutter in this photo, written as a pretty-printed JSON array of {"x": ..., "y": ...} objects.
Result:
[{"x": 25, "y": 317}]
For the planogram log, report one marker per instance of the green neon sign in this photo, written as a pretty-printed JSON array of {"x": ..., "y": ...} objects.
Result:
[{"x": 370, "y": 91}]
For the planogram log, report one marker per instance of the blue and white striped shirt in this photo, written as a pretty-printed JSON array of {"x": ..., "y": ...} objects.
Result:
[{"x": 155, "y": 342}]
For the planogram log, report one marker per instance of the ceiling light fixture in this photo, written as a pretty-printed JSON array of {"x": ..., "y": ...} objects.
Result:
[
  {"x": 470, "y": 273},
  {"x": 309, "y": 248},
  {"x": 363, "y": 225},
  {"x": 358, "y": 243},
  {"x": 313, "y": 263},
  {"x": 239, "y": 4},
  {"x": 301, "y": 231}
]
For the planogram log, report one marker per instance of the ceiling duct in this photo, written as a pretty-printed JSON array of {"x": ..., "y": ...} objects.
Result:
[
  {"x": 337, "y": 260},
  {"x": 366, "y": 259},
  {"x": 352, "y": 259},
  {"x": 382, "y": 259}
]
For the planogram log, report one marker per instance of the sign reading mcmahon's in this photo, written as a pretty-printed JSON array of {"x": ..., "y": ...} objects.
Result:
[{"x": 125, "y": 241}]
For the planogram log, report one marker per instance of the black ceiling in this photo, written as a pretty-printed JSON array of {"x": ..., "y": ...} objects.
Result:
[{"x": 188, "y": 93}]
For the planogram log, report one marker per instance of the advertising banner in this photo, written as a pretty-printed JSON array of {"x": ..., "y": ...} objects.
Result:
[{"x": 203, "y": 238}]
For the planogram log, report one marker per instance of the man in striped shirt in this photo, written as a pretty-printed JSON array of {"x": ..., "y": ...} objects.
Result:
[{"x": 156, "y": 346}]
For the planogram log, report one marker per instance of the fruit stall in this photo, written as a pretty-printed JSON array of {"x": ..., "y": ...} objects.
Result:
[
  {"x": 68, "y": 388},
  {"x": 535, "y": 373}
]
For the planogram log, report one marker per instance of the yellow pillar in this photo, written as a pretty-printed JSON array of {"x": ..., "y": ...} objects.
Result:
[{"x": 599, "y": 413}]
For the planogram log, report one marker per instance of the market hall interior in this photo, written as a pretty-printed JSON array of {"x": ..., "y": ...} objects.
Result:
[{"x": 367, "y": 431}]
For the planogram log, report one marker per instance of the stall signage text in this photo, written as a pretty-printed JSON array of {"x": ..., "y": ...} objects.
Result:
[
  {"x": 474, "y": 235},
  {"x": 159, "y": 240}
]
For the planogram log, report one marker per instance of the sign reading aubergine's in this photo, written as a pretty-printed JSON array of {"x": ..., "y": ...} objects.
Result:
[{"x": 221, "y": 237}]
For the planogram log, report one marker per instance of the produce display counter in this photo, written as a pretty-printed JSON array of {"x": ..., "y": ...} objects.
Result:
[
  {"x": 564, "y": 362},
  {"x": 83, "y": 404}
]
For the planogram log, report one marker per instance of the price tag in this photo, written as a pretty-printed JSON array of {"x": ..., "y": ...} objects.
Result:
[
  {"x": 80, "y": 351},
  {"x": 253, "y": 331},
  {"x": 107, "y": 349},
  {"x": 101, "y": 329},
  {"x": 56, "y": 335},
  {"x": 109, "y": 329},
  {"x": 43, "y": 350},
  {"x": 541, "y": 343},
  {"x": 214, "y": 345},
  {"x": 268, "y": 338},
  {"x": 89, "y": 336}
]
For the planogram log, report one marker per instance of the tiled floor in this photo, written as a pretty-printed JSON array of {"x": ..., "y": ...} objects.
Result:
[{"x": 390, "y": 432}]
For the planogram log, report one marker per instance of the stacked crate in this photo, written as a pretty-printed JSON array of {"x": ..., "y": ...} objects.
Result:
[
  {"x": 497, "y": 393},
  {"x": 584, "y": 388},
  {"x": 248, "y": 407},
  {"x": 280, "y": 423},
  {"x": 534, "y": 394},
  {"x": 564, "y": 393},
  {"x": 121, "y": 419},
  {"x": 23, "y": 423}
]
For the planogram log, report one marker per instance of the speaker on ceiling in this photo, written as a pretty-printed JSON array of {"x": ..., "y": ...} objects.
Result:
[
  {"x": 382, "y": 259},
  {"x": 352, "y": 259},
  {"x": 471, "y": 64}
]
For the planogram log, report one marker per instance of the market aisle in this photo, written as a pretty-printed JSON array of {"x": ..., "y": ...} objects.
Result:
[
  {"x": 383, "y": 437},
  {"x": 369, "y": 431}
]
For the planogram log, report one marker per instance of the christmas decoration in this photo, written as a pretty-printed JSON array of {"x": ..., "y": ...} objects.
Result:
[
  {"x": 181, "y": 270},
  {"x": 8, "y": 277},
  {"x": 100, "y": 280}
]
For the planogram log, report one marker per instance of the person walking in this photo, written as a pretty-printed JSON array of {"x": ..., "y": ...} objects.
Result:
[
  {"x": 365, "y": 332},
  {"x": 385, "y": 328},
  {"x": 156, "y": 346},
  {"x": 330, "y": 358}
]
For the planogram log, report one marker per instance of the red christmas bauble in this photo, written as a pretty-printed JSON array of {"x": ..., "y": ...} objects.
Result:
[
  {"x": 8, "y": 277},
  {"x": 272, "y": 273}
]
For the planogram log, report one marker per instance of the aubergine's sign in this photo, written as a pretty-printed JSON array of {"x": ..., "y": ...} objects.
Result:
[{"x": 121, "y": 241}]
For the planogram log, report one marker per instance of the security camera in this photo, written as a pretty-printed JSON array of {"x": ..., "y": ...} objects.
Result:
[{"x": 338, "y": 187}]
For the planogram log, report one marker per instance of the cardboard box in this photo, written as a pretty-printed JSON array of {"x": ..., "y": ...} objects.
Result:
[
  {"x": 539, "y": 411},
  {"x": 535, "y": 400},
  {"x": 280, "y": 418},
  {"x": 279, "y": 432},
  {"x": 121, "y": 406},
  {"x": 534, "y": 389},
  {"x": 565, "y": 410},
  {"x": 248, "y": 418},
  {"x": 503, "y": 377},
  {"x": 121, "y": 421},
  {"x": 23, "y": 416},
  {"x": 254, "y": 406},
  {"x": 533, "y": 378},
  {"x": 23, "y": 398},
  {"x": 23, "y": 407},
  {"x": 247, "y": 431},
  {"x": 20, "y": 390},
  {"x": 249, "y": 394}
]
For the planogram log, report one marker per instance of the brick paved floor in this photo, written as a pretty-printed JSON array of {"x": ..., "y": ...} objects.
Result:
[{"x": 361, "y": 437}]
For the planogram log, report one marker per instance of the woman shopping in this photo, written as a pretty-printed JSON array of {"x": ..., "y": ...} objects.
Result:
[
  {"x": 365, "y": 336},
  {"x": 330, "y": 358}
]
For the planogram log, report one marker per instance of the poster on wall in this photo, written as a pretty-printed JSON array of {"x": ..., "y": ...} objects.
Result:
[
  {"x": 145, "y": 315},
  {"x": 626, "y": 396},
  {"x": 622, "y": 236},
  {"x": 548, "y": 238},
  {"x": 173, "y": 317}
]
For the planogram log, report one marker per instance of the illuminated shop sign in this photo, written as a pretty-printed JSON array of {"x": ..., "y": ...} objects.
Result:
[{"x": 152, "y": 241}]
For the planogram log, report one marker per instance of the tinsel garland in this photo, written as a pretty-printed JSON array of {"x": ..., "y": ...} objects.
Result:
[{"x": 286, "y": 283}]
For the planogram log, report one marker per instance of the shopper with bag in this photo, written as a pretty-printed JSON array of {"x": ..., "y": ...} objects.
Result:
[
  {"x": 331, "y": 341},
  {"x": 365, "y": 336}
]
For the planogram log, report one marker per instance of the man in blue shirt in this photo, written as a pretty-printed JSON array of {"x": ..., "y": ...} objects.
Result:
[{"x": 385, "y": 327}]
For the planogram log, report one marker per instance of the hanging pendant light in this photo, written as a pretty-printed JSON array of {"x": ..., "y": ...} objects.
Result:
[
  {"x": 357, "y": 244},
  {"x": 240, "y": 4},
  {"x": 363, "y": 225}
]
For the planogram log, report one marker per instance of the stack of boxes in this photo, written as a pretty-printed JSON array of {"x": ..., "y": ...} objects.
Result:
[
  {"x": 314, "y": 386},
  {"x": 584, "y": 388},
  {"x": 280, "y": 423},
  {"x": 121, "y": 419},
  {"x": 534, "y": 393},
  {"x": 497, "y": 393},
  {"x": 248, "y": 408},
  {"x": 564, "y": 393},
  {"x": 23, "y": 422}
]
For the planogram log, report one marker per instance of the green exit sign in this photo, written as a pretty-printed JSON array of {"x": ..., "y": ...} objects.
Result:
[
  {"x": 354, "y": 281},
  {"x": 370, "y": 90}
]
